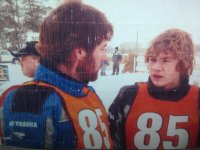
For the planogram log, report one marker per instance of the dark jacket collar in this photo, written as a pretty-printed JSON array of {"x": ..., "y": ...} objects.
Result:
[{"x": 173, "y": 94}]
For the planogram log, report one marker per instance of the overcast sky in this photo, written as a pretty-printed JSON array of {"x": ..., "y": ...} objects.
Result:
[{"x": 149, "y": 18}]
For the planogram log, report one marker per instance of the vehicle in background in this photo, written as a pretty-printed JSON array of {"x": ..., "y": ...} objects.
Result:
[
  {"x": 1, "y": 74},
  {"x": 6, "y": 57},
  {"x": 4, "y": 73}
]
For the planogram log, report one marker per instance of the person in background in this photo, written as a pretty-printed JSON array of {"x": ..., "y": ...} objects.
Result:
[
  {"x": 117, "y": 57},
  {"x": 103, "y": 67},
  {"x": 58, "y": 110},
  {"x": 29, "y": 58},
  {"x": 129, "y": 64},
  {"x": 162, "y": 113}
]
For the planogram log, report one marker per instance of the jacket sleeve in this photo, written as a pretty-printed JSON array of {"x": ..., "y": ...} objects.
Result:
[
  {"x": 48, "y": 127},
  {"x": 59, "y": 128},
  {"x": 118, "y": 112}
]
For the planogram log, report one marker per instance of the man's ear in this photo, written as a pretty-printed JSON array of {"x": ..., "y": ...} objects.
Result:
[{"x": 80, "y": 53}]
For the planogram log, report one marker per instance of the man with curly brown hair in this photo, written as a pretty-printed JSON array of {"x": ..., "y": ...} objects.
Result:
[
  {"x": 162, "y": 113},
  {"x": 58, "y": 110}
]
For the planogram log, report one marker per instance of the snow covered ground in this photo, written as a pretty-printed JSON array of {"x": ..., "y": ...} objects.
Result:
[{"x": 106, "y": 87}]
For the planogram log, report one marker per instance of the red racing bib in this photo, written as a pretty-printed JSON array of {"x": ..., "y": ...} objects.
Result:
[{"x": 2, "y": 99}]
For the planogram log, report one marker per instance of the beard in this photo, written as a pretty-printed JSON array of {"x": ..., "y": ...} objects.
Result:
[{"x": 86, "y": 70}]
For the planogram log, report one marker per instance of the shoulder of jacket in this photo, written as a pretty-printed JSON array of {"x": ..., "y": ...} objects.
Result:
[
  {"x": 129, "y": 88},
  {"x": 127, "y": 94},
  {"x": 30, "y": 98}
]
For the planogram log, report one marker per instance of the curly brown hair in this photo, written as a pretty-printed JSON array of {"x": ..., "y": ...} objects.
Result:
[
  {"x": 72, "y": 25},
  {"x": 175, "y": 42}
]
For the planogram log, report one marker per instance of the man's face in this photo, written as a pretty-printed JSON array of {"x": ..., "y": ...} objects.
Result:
[
  {"x": 29, "y": 65},
  {"x": 89, "y": 67},
  {"x": 163, "y": 72}
]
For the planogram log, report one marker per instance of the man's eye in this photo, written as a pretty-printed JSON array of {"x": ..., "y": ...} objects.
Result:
[
  {"x": 166, "y": 60},
  {"x": 152, "y": 59},
  {"x": 103, "y": 49}
]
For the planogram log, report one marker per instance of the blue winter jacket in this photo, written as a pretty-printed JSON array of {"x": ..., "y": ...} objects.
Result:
[{"x": 37, "y": 119}]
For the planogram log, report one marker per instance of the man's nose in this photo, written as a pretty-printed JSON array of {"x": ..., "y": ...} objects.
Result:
[{"x": 157, "y": 66}]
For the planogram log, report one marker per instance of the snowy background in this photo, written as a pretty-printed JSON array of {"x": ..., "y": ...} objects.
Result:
[{"x": 107, "y": 87}]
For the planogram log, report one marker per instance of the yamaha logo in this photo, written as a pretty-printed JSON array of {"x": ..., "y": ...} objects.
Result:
[{"x": 23, "y": 124}]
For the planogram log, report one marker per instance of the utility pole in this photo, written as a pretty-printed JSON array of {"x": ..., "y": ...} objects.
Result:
[{"x": 137, "y": 42}]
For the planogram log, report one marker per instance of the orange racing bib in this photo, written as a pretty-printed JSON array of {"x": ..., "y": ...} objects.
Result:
[
  {"x": 159, "y": 124},
  {"x": 89, "y": 118}
]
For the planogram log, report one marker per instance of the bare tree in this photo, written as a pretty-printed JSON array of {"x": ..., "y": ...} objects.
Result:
[{"x": 16, "y": 18}]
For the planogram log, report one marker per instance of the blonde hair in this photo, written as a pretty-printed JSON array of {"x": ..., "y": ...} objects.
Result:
[{"x": 179, "y": 44}]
